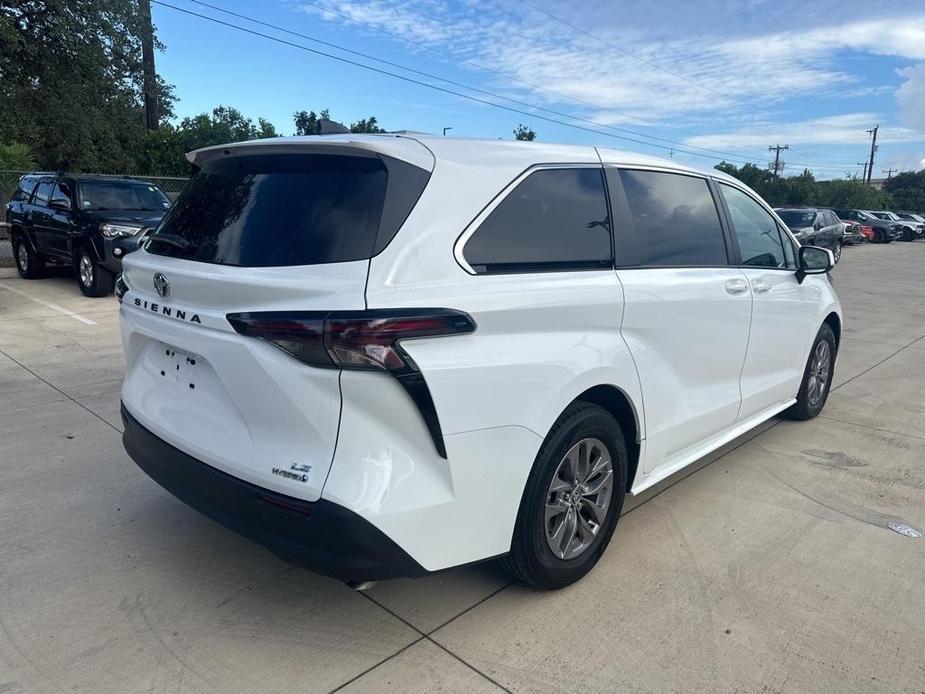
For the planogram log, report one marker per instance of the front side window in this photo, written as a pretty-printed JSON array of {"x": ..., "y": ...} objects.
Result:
[
  {"x": 755, "y": 229},
  {"x": 675, "y": 219},
  {"x": 555, "y": 219},
  {"x": 42, "y": 193}
]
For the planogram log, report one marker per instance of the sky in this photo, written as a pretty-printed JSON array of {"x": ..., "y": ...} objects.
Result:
[{"x": 698, "y": 82}]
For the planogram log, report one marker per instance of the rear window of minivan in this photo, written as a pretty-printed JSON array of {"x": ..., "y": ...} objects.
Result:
[{"x": 289, "y": 209}]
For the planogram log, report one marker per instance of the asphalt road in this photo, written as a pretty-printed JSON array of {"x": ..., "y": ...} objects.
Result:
[{"x": 770, "y": 567}]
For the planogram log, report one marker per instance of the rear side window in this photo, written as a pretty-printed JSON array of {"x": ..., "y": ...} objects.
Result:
[
  {"x": 293, "y": 209},
  {"x": 756, "y": 231},
  {"x": 43, "y": 193},
  {"x": 23, "y": 190},
  {"x": 675, "y": 219},
  {"x": 554, "y": 220}
]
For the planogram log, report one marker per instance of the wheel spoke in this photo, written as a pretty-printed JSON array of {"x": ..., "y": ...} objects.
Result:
[
  {"x": 555, "y": 508},
  {"x": 564, "y": 534},
  {"x": 585, "y": 530},
  {"x": 601, "y": 463},
  {"x": 596, "y": 511},
  {"x": 598, "y": 484}
]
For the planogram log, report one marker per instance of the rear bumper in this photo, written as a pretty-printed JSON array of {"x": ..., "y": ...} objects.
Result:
[{"x": 320, "y": 536}]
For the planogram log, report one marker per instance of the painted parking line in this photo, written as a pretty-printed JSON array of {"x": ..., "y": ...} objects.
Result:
[{"x": 48, "y": 304}]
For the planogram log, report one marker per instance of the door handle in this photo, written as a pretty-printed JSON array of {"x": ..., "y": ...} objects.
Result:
[
  {"x": 761, "y": 286},
  {"x": 736, "y": 286}
]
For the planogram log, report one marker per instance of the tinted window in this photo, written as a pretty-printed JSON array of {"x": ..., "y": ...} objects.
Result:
[
  {"x": 555, "y": 219},
  {"x": 675, "y": 219},
  {"x": 121, "y": 195},
  {"x": 62, "y": 193},
  {"x": 755, "y": 228},
  {"x": 42, "y": 193},
  {"x": 796, "y": 219},
  {"x": 296, "y": 209},
  {"x": 24, "y": 189}
]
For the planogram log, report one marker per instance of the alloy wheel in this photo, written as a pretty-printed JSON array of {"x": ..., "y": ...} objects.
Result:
[
  {"x": 578, "y": 498},
  {"x": 837, "y": 252},
  {"x": 819, "y": 369},
  {"x": 22, "y": 256},
  {"x": 86, "y": 270}
]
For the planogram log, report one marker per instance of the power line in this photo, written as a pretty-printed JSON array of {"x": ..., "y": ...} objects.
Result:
[
  {"x": 509, "y": 76},
  {"x": 778, "y": 164},
  {"x": 434, "y": 86},
  {"x": 742, "y": 159}
]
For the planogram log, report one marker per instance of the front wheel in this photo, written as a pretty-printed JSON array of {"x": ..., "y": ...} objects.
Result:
[
  {"x": 94, "y": 279},
  {"x": 817, "y": 377},
  {"x": 572, "y": 500},
  {"x": 837, "y": 251}
]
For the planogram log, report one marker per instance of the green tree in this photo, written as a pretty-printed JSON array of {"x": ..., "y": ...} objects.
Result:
[
  {"x": 366, "y": 125},
  {"x": 71, "y": 82},
  {"x": 16, "y": 157},
  {"x": 162, "y": 152},
  {"x": 851, "y": 193},
  {"x": 523, "y": 132},
  {"x": 309, "y": 122},
  {"x": 907, "y": 190}
]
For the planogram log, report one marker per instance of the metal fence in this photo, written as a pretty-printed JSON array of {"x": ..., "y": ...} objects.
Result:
[{"x": 171, "y": 185}]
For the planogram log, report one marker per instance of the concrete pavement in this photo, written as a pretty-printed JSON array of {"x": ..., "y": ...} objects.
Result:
[{"x": 768, "y": 567}]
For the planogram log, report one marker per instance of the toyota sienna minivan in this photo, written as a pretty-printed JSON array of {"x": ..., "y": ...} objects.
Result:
[{"x": 384, "y": 356}]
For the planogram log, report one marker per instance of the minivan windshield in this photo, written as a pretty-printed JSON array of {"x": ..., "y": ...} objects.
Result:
[
  {"x": 279, "y": 210},
  {"x": 120, "y": 195},
  {"x": 796, "y": 219}
]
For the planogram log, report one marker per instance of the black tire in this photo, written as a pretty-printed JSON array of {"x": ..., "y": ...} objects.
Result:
[
  {"x": 93, "y": 279},
  {"x": 837, "y": 251},
  {"x": 908, "y": 234},
  {"x": 806, "y": 406},
  {"x": 29, "y": 264},
  {"x": 531, "y": 559}
]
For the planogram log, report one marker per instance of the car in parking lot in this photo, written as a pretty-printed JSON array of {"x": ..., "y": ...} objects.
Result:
[
  {"x": 917, "y": 220},
  {"x": 87, "y": 222},
  {"x": 814, "y": 227},
  {"x": 856, "y": 233},
  {"x": 909, "y": 231},
  {"x": 385, "y": 356},
  {"x": 884, "y": 230}
]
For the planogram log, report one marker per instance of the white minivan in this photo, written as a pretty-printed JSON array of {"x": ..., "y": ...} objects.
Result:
[{"x": 387, "y": 355}]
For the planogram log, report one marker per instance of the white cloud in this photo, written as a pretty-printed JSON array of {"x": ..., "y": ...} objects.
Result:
[
  {"x": 713, "y": 59},
  {"x": 911, "y": 97},
  {"x": 846, "y": 129}
]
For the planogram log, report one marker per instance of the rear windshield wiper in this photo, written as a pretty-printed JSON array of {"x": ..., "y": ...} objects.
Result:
[{"x": 173, "y": 240}]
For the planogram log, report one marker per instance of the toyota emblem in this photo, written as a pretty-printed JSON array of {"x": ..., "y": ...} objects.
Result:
[{"x": 161, "y": 285}]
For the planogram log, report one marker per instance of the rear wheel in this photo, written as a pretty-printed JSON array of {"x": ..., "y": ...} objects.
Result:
[
  {"x": 572, "y": 500},
  {"x": 94, "y": 279},
  {"x": 817, "y": 377},
  {"x": 837, "y": 251},
  {"x": 29, "y": 264}
]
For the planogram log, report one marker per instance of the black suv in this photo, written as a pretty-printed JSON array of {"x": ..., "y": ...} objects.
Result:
[
  {"x": 885, "y": 230},
  {"x": 87, "y": 222}
]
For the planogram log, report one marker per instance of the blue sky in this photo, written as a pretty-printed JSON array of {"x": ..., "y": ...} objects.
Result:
[{"x": 709, "y": 80}]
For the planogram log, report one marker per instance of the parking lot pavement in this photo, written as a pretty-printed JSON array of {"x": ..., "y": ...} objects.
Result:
[{"x": 770, "y": 567}]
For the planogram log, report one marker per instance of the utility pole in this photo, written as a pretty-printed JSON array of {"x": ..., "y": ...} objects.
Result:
[
  {"x": 873, "y": 148},
  {"x": 888, "y": 172},
  {"x": 778, "y": 164},
  {"x": 449, "y": 127},
  {"x": 147, "y": 65},
  {"x": 864, "y": 175}
]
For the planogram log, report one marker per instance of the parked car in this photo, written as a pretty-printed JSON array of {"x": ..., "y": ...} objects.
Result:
[
  {"x": 918, "y": 221},
  {"x": 384, "y": 356},
  {"x": 855, "y": 233},
  {"x": 87, "y": 222},
  {"x": 909, "y": 231},
  {"x": 885, "y": 231},
  {"x": 814, "y": 227}
]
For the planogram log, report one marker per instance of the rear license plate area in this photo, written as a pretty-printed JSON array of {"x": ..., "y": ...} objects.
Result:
[{"x": 176, "y": 366}]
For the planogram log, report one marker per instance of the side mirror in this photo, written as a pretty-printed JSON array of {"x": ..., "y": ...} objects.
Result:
[
  {"x": 814, "y": 261},
  {"x": 817, "y": 226},
  {"x": 60, "y": 204}
]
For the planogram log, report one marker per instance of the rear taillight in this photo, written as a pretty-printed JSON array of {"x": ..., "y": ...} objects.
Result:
[
  {"x": 364, "y": 340},
  {"x": 351, "y": 339},
  {"x": 121, "y": 287}
]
